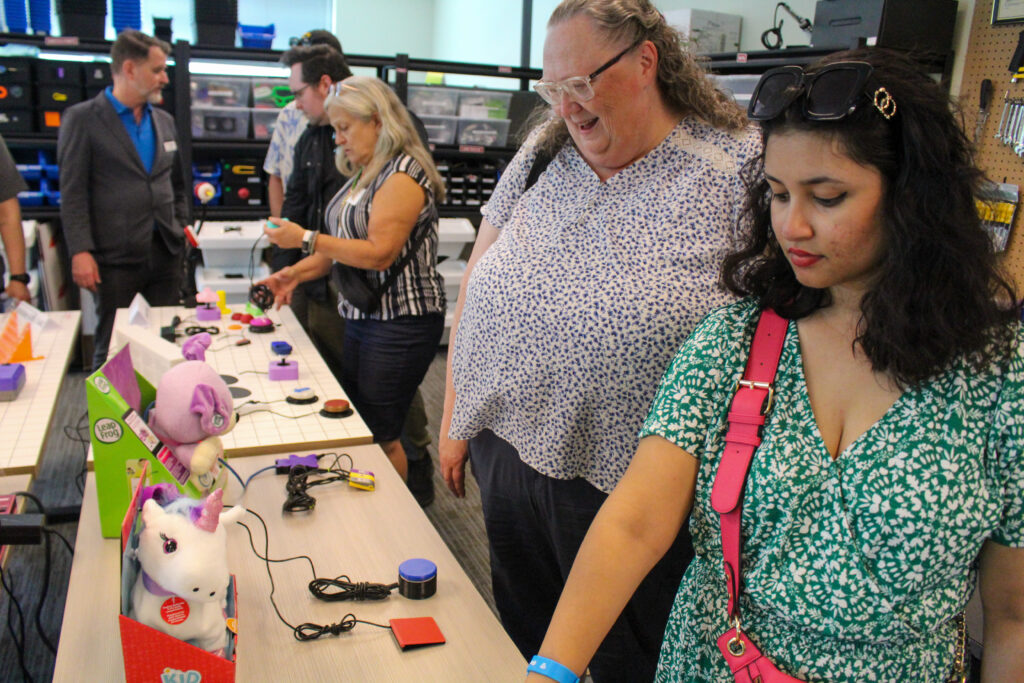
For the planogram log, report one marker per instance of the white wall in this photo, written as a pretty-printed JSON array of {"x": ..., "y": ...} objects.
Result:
[
  {"x": 383, "y": 27},
  {"x": 757, "y": 17},
  {"x": 487, "y": 32}
]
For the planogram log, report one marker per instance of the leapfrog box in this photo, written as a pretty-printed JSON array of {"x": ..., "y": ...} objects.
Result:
[{"x": 122, "y": 442}]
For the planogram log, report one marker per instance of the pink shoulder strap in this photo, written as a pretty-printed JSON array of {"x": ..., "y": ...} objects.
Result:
[{"x": 750, "y": 405}]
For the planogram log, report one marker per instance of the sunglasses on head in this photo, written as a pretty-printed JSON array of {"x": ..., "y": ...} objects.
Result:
[{"x": 831, "y": 93}]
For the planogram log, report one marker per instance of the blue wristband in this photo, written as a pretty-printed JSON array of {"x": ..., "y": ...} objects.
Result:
[{"x": 552, "y": 669}]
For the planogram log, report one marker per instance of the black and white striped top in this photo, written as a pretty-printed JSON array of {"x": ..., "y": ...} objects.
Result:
[{"x": 419, "y": 288}]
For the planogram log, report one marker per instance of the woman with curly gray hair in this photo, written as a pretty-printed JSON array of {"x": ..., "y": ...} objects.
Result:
[{"x": 579, "y": 288}]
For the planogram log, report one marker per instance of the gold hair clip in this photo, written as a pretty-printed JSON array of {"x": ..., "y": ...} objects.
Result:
[{"x": 884, "y": 103}]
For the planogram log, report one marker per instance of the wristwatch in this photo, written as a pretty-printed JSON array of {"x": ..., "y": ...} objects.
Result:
[{"x": 23, "y": 278}]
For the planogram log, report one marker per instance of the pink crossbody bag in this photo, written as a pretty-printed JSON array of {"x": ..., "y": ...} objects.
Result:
[{"x": 748, "y": 411}]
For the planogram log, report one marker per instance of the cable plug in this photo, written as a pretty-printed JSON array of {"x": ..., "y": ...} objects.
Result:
[{"x": 307, "y": 463}]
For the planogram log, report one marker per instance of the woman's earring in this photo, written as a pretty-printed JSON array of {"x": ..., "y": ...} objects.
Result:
[{"x": 884, "y": 103}]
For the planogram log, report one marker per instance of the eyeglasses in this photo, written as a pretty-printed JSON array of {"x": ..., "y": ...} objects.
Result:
[
  {"x": 830, "y": 93},
  {"x": 576, "y": 88},
  {"x": 335, "y": 89},
  {"x": 298, "y": 93}
]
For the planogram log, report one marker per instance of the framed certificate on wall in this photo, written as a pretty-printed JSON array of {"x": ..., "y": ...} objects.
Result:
[{"x": 1007, "y": 11}]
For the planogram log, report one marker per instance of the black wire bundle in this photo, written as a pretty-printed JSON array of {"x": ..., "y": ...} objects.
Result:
[
  {"x": 342, "y": 588},
  {"x": 80, "y": 434},
  {"x": 306, "y": 631},
  {"x": 299, "y": 483}
]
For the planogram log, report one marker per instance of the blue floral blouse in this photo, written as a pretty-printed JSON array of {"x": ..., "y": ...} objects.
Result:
[{"x": 573, "y": 314}]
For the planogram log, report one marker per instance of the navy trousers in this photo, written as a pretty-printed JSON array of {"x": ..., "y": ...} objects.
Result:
[{"x": 535, "y": 526}]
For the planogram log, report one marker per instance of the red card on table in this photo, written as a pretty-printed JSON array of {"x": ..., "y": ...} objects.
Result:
[{"x": 416, "y": 632}]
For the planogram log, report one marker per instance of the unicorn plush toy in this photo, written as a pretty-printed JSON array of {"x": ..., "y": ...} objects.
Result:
[{"x": 183, "y": 578}]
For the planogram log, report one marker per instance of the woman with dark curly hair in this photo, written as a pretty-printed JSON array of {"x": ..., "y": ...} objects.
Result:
[{"x": 889, "y": 472}]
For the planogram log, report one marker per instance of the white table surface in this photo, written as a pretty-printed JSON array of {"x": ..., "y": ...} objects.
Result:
[
  {"x": 25, "y": 421},
  {"x": 259, "y": 430},
  {"x": 365, "y": 535}
]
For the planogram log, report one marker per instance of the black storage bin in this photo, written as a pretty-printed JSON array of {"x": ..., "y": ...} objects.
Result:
[
  {"x": 97, "y": 73},
  {"x": 15, "y": 95},
  {"x": 162, "y": 29},
  {"x": 15, "y": 70},
  {"x": 58, "y": 96},
  {"x": 216, "y": 12},
  {"x": 215, "y": 35},
  {"x": 62, "y": 73},
  {"x": 923, "y": 26},
  {"x": 16, "y": 121},
  {"x": 82, "y": 18},
  {"x": 89, "y": 26}
]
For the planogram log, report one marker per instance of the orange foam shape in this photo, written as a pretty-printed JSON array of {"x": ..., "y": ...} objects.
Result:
[{"x": 16, "y": 347}]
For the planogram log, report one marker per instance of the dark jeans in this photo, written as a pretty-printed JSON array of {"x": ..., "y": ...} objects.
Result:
[
  {"x": 383, "y": 363},
  {"x": 158, "y": 280},
  {"x": 535, "y": 526}
]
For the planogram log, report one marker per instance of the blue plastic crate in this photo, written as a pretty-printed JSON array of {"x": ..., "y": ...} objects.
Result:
[
  {"x": 31, "y": 198},
  {"x": 30, "y": 171},
  {"x": 256, "y": 36}
]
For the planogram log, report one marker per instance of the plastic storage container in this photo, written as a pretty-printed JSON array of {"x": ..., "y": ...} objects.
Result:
[
  {"x": 219, "y": 91},
  {"x": 227, "y": 244},
  {"x": 263, "y": 121},
  {"x": 488, "y": 104},
  {"x": 271, "y": 93},
  {"x": 452, "y": 271},
  {"x": 220, "y": 122},
  {"x": 452, "y": 235},
  {"x": 234, "y": 283},
  {"x": 483, "y": 132},
  {"x": 256, "y": 36},
  {"x": 440, "y": 129},
  {"x": 433, "y": 101},
  {"x": 741, "y": 87}
]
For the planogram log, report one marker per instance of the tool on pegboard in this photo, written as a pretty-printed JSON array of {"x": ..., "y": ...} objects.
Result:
[
  {"x": 996, "y": 204},
  {"x": 1017, "y": 61},
  {"x": 985, "y": 102}
]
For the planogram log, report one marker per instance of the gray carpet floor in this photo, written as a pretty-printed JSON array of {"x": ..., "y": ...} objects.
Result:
[{"x": 58, "y": 484}]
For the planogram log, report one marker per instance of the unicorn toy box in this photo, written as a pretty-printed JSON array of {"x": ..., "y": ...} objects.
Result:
[{"x": 177, "y": 595}]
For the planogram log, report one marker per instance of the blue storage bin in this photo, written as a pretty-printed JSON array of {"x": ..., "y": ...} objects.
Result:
[
  {"x": 39, "y": 11},
  {"x": 256, "y": 36},
  {"x": 16, "y": 16},
  {"x": 30, "y": 198},
  {"x": 50, "y": 192},
  {"x": 126, "y": 14},
  {"x": 206, "y": 171},
  {"x": 30, "y": 171}
]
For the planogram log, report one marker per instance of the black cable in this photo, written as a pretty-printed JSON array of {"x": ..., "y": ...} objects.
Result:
[
  {"x": 43, "y": 593},
  {"x": 19, "y": 644},
  {"x": 347, "y": 590},
  {"x": 306, "y": 631}
]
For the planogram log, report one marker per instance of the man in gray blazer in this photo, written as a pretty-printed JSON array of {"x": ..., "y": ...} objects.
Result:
[{"x": 123, "y": 197}]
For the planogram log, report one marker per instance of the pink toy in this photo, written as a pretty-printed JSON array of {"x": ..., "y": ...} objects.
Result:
[
  {"x": 193, "y": 408},
  {"x": 183, "y": 577}
]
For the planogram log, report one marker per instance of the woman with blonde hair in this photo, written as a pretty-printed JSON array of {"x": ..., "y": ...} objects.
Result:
[{"x": 381, "y": 252}]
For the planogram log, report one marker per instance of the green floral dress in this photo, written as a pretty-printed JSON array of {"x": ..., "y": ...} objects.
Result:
[{"x": 853, "y": 569}]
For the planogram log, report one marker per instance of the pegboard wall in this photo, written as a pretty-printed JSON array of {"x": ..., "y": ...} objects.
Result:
[{"x": 989, "y": 51}]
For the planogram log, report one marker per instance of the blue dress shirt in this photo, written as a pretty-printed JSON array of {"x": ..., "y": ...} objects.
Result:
[{"x": 141, "y": 133}]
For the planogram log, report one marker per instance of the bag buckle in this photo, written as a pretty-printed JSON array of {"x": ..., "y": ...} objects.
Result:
[
  {"x": 736, "y": 645},
  {"x": 765, "y": 386}
]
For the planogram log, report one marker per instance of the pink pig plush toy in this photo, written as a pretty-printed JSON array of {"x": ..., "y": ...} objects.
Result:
[{"x": 193, "y": 408}]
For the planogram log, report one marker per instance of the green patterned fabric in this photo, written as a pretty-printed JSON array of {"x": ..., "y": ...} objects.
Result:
[{"x": 853, "y": 569}]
